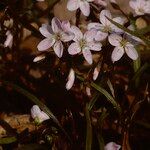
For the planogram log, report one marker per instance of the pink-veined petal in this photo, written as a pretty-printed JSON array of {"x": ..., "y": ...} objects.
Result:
[
  {"x": 66, "y": 36},
  {"x": 112, "y": 146},
  {"x": 74, "y": 48},
  {"x": 114, "y": 39},
  {"x": 85, "y": 8},
  {"x": 43, "y": 116},
  {"x": 105, "y": 13},
  {"x": 46, "y": 30},
  {"x": 35, "y": 111},
  {"x": 66, "y": 26},
  {"x": 77, "y": 32},
  {"x": 56, "y": 25},
  {"x": 45, "y": 44},
  {"x": 87, "y": 55},
  {"x": 58, "y": 49},
  {"x": 117, "y": 53},
  {"x": 94, "y": 25},
  {"x": 100, "y": 36},
  {"x": 72, "y": 5},
  {"x": 71, "y": 79},
  {"x": 89, "y": 35},
  {"x": 131, "y": 51},
  {"x": 95, "y": 46},
  {"x": 9, "y": 39}
]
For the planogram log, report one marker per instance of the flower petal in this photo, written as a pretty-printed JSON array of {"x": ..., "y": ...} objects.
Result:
[
  {"x": 87, "y": 55},
  {"x": 46, "y": 30},
  {"x": 112, "y": 146},
  {"x": 58, "y": 49},
  {"x": 85, "y": 8},
  {"x": 117, "y": 53},
  {"x": 71, "y": 79},
  {"x": 100, "y": 36},
  {"x": 45, "y": 44},
  {"x": 43, "y": 116},
  {"x": 131, "y": 51},
  {"x": 94, "y": 25},
  {"x": 9, "y": 39},
  {"x": 35, "y": 111},
  {"x": 96, "y": 73},
  {"x": 66, "y": 26},
  {"x": 66, "y": 36},
  {"x": 114, "y": 39},
  {"x": 56, "y": 25},
  {"x": 77, "y": 32},
  {"x": 72, "y": 5},
  {"x": 105, "y": 13},
  {"x": 74, "y": 48},
  {"x": 88, "y": 91},
  {"x": 89, "y": 35},
  {"x": 95, "y": 46}
]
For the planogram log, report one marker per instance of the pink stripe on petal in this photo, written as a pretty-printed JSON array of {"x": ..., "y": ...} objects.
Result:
[
  {"x": 45, "y": 44},
  {"x": 87, "y": 55},
  {"x": 74, "y": 49},
  {"x": 58, "y": 49},
  {"x": 105, "y": 13},
  {"x": 72, "y": 5},
  {"x": 131, "y": 52},
  {"x": 85, "y": 8},
  {"x": 56, "y": 25}
]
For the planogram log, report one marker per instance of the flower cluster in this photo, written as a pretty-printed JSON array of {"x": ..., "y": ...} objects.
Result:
[{"x": 78, "y": 41}]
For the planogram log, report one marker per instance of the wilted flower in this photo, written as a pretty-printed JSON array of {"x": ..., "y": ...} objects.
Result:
[
  {"x": 71, "y": 79},
  {"x": 112, "y": 146},
  {"x": 121, "y": 46},
  {"x": 88, "y": 91},
  {"x": 9, "y": 39},
  {"x": 38, "y": 115},
  {"x": 96, "y": 72},
  {"x": 39, "y": 58},
  {"x": 140, "y": 7},
  {"x": 82, "y": 4},
  {"x": 105, "y": 26},
  {"x": 53, "y": 37},
  {"x": 84, "y": 43}
]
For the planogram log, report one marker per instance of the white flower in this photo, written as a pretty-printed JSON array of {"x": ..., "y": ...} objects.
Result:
[
  {"x": 112, "y": 146},
  {"x": 121, "y": 46},
  {"x": 38, "y": 115},
  {"x": 140, "y": 7},
  {"x": 105, "y": 26},
  {"x": 82, "y": 4},
  {"x": 9, "y": 39},
  {"x": 84, "y": 43},
  {"x": 71, "y": 79},
  {"x": 39, "y": 58},
  {"x": 53, "y": 37}
]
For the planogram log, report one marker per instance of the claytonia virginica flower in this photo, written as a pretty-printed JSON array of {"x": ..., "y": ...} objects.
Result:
[
  {"x": 105, "y": 26},
  {"x": 71, "y": 78},
  {"x": 112, "y": 146},
  {"x": 82, "y": 4},
  {"x": 38, "y": 115},
  {"x": 140, "y": 7},
  {"x": 121, "y": 46},
  {"x": 85, "y": 43},
  {"x": 54, "y": 36},
  {"x": 9, "y": 39}
]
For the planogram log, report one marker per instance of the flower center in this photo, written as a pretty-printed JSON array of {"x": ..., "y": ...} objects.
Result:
[
  {"x": 123, "y": 43},
  {"x": 106, "y": 28},
  {"x": 141, "y": 10},
  {"x": 82, "y": 43},
  {"x": 57, "y": 36}
]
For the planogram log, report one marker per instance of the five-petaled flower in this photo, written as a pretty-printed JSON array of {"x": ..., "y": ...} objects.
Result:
[
  {"x": 121, "y": 46},
  {"x": 54, "y": 36},
  {"x": 38, "y": 115},
  {"x": 140, "y": 7},
  {"x": 82, "y": 4},
  {"x": 106, "y": 27},
  {"x": 85, "y": 43}
]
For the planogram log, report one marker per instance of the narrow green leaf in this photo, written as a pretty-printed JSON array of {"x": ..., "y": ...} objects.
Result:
[
  {"x": 8, "y": 140},
  {"x": 111, "y": 87},
  {"x": 105, "y": 93},
  {"x": 88, "y": 129}
]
